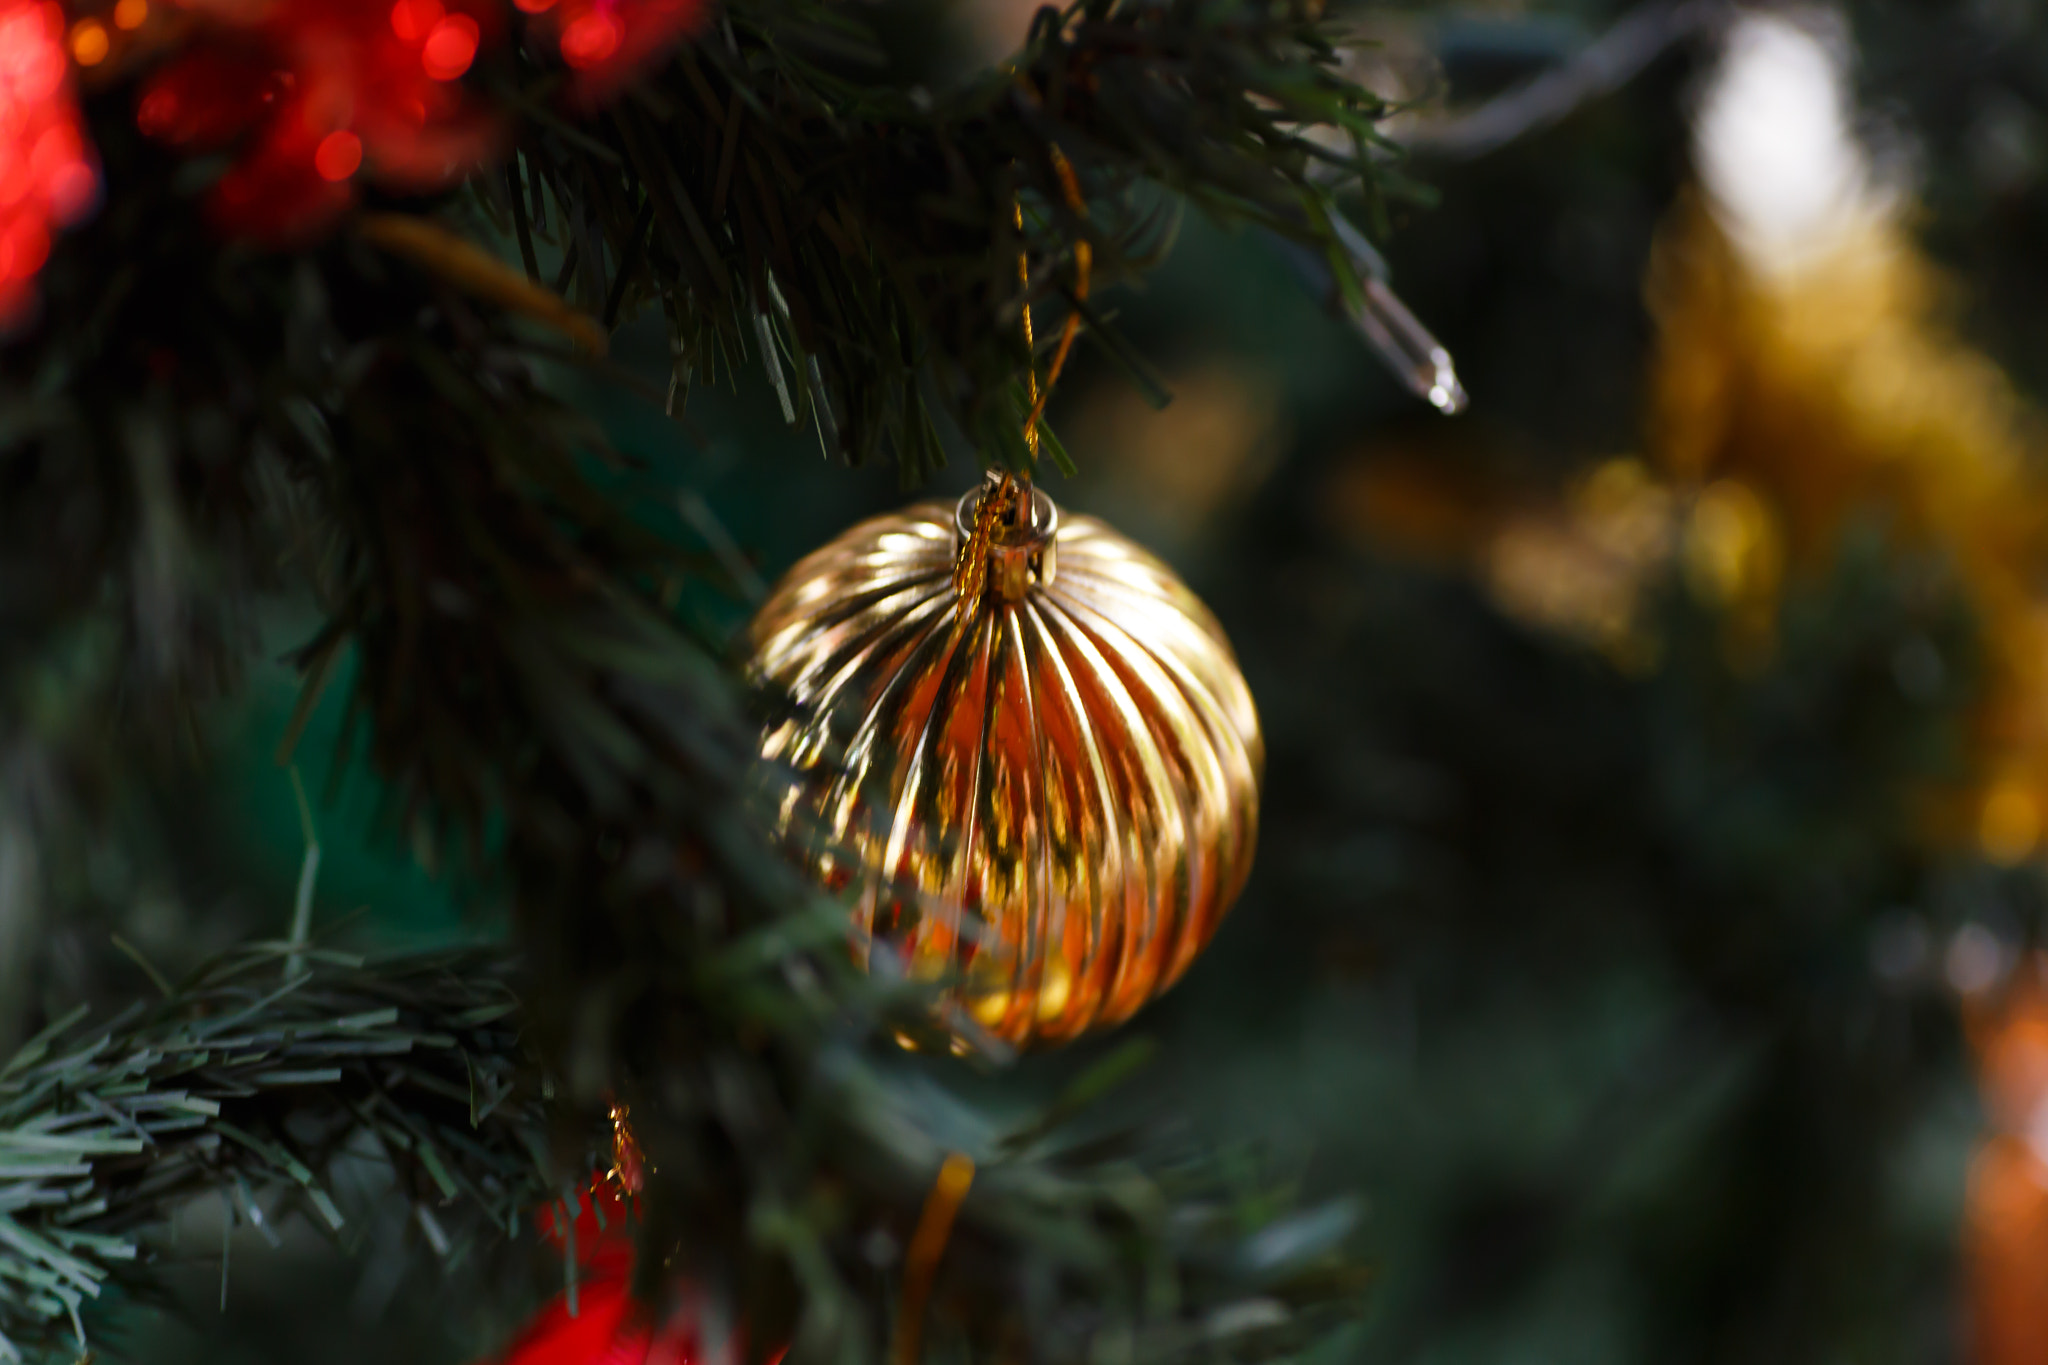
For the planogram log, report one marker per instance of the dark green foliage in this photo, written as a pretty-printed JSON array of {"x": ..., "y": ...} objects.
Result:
[{"x": 766, "y": 185}]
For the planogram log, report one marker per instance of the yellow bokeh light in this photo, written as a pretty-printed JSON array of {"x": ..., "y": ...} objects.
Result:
[
  {"x": 89, "y": 42},
  {"x": 1731, "y": 544},
  {"x": 2009, "y": 826},
  {"x": 130, "y": 14}
]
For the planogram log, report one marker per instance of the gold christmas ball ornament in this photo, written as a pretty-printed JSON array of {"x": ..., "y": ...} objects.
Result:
[{"x": 1025, "y": 747}]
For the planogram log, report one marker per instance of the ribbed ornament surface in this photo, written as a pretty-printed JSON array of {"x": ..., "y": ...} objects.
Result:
[{"x": 1052, "y": 798}]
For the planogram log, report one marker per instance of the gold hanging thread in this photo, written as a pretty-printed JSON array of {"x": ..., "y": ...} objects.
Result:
[
  {"x": 1030, "y": 342},
  {"x": 1006, "y": 503},
  {"x": 479, "y": 274},
  {"x": 1084, "y": 260},
  {"x": 629, "y": 1163}
]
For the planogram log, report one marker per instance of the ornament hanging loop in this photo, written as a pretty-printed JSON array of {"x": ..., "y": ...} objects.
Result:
[
  {"x": 1007, "y": 533},
  {"x": 1006, "y": 528},
  {"x": 1036, "y": 394}
]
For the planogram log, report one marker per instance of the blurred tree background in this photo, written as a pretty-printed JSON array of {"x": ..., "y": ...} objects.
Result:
[{"x": 1645, "y": 860}]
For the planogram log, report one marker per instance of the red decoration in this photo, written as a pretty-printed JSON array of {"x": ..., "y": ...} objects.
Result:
[
  {"x": 608, "y": 1328},
  {"x": 320, "y": 92},
  {"x": 47, "y": 173}
]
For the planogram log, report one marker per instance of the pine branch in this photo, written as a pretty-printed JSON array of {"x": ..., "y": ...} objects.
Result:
[
  {"x": 531, "y": 708},
  {"x": 858, "y": 240},
  {"x": 248, "y": 1085}
]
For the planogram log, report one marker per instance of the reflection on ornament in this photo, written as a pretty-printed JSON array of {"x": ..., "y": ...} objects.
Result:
[{"x": 1045, "y": 791}]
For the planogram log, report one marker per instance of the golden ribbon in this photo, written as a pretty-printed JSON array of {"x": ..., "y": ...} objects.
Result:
[
  {"x": 479, "y": 274},
  {"x": 927, "y": 1244}
]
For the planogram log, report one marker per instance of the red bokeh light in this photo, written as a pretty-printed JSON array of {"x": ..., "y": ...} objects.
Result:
[
  {"x": 276, "y": 82},
  {"x": 451, "y": 47},
  {"x": 413, "y": 20},
  {"x": 48, "y": 178},
  {"x": 590, "y": 39},
  {"x": 338, "y": 155},
  {"x": 609, "y": 42},
  {"x": 320, "y": 95}
]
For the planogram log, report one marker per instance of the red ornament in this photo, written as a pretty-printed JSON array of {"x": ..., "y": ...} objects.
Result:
[
  {"x": 319, "y": 92},
  {"x": 47, "y": 174}
]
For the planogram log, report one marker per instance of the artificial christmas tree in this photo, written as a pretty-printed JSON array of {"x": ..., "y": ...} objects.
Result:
[{"x": 425, "y": 396}]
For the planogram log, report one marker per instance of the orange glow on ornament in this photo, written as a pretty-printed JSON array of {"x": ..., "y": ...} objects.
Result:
[{"x": 131, "y": 14}]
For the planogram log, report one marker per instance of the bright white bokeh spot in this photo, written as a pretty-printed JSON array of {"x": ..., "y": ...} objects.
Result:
[{"x": 1777, "y": 149}]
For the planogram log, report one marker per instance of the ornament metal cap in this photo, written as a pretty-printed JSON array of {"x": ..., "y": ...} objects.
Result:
[{"x": 1017, "y": 556}]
